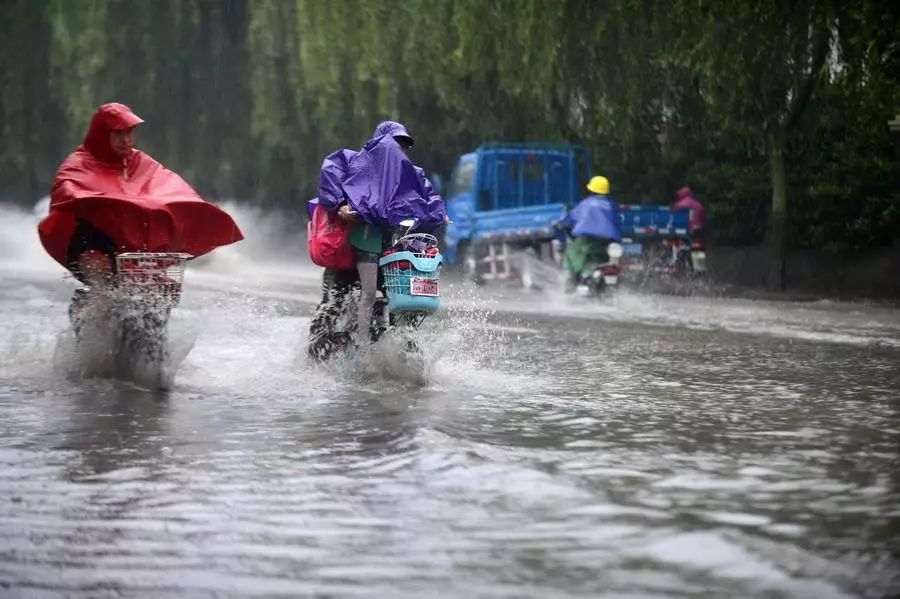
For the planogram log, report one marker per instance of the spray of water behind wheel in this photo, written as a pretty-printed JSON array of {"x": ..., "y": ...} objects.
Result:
[
  {"x": 121, "y": 330},
  {"x": 537, "y": 273}
]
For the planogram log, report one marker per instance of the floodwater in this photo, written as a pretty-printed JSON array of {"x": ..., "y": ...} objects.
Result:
[{"x": 645, "y": 446}]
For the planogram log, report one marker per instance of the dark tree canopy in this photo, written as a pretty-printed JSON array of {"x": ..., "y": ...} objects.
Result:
[{"x": 776, "y": 113}]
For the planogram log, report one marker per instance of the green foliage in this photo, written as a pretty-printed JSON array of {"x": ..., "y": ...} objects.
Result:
[
  {"x": 850, "y": 189},
  {"x": 244, "y": 98}
]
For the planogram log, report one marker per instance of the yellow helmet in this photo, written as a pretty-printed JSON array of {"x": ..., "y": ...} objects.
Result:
[{"x": 599, "y": 185}]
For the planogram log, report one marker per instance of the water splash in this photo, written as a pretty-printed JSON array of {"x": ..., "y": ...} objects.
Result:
[
  {"x": 111, "y": 344},
  {"x": 461, "y": 347}
]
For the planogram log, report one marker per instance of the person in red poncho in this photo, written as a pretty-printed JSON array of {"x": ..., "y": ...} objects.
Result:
[{"x": 108, "y": 198}]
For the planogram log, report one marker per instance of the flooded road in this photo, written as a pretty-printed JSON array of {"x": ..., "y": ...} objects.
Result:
[{"x": 648, "y": 446}]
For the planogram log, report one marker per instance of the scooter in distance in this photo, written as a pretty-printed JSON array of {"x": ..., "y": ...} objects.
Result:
[{"x": 598, "y": 279}]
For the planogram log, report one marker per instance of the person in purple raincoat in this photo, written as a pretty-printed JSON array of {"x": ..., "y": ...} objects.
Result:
[
  {"x": 380, "y": 183},
  {"x": 376, "y": 188}
]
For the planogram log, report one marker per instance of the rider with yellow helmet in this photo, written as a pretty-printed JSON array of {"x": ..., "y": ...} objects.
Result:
[{"x": 594, "y": 224}]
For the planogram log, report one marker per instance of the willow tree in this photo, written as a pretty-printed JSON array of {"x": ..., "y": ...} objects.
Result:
[
  {"x": 760, "y": 61},
  {"x": 625, "y": 74},
  {"x": 179, "y": 64},
  {"x": 278, "y": 126},
  {"x": 349, "y": 81},
  {"x": 602, "y": 75},
  {"x": 28, "y": 121}
]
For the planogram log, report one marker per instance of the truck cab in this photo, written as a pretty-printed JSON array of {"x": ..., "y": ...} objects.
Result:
[{"x": 505, "y": 196}]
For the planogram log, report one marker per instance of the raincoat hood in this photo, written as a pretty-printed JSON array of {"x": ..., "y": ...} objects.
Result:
[
  {"x": 109, "y": 117},
  {"x": 684, "y": 192},
  {"x": 392, "y": 128}
]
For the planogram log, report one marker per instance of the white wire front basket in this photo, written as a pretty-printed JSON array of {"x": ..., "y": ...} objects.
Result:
[{"x": 151, "y": 273}]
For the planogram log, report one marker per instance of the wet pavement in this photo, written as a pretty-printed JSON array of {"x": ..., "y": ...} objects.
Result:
[{"x": 643, "y": 446}]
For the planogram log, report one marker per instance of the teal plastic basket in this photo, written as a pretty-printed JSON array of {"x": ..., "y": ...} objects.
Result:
[{"x": 411, "y": 281}]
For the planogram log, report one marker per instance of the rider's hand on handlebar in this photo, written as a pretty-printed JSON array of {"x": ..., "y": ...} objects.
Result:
[
  {"x": 96, "y": 268},
  {"x": 346, "y": 214}
]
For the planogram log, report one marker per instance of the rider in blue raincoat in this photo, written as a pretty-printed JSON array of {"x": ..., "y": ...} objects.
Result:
[
  {"x": 594, "y": 223},
  {"x": 375, "y": 188}
]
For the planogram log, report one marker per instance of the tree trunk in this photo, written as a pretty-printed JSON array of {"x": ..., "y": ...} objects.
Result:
[{"x": 778, "y": 174}]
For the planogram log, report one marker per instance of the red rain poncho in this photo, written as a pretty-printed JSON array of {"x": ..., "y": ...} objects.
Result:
[
  {"x": 135, "y": 201},
  {"x": 686, "y": 201}
]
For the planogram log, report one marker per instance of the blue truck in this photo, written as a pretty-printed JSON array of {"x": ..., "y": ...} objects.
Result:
[
  {"x": 652, "y": 237},
  {"x": 643, "y": 223},
  {"x": 505, "y": 196}
]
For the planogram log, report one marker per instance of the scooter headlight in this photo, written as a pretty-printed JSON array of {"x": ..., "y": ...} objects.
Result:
[{"x": 614, "y": 250}]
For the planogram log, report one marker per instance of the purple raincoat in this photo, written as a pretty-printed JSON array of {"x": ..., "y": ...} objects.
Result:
[
  {"x": 595, "y": 216},
  {"x": 381, "y": 183}
]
